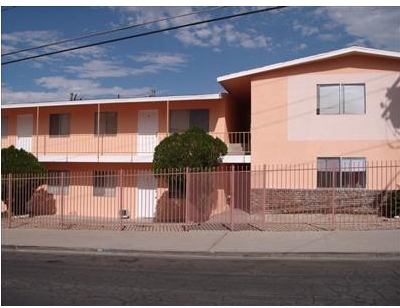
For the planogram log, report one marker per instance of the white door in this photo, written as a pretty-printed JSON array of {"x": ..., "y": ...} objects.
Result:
[
  {"x": 146, "y": 196},
  {"x": 147, "y": 131},
  {"x": 24, "y": 132}
]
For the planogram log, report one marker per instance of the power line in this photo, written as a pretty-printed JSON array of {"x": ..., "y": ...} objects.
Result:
[
  {"x": 143, "y": 34},
  {"x": 109, "y": 31}
]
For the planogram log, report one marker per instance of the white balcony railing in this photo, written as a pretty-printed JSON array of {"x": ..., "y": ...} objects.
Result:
[{"x": 116, "y": 145}]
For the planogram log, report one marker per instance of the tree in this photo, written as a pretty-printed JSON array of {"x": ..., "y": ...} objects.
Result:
[
  {"x": 193, "y": 149},
  {"x": 27, "y": 174}
]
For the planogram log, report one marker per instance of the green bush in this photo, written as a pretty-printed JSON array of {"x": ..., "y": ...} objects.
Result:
[
  {"x": 391, "y": 206},
  {"x": 193, "y": 149},
  {"x": 27, "y": 174}
]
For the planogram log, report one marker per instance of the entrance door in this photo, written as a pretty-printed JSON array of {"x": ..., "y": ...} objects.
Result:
[
  {"x": 146, "y": 196},
  {"x": 24, "y": 132},
  {"x": 147, "y": 131}
]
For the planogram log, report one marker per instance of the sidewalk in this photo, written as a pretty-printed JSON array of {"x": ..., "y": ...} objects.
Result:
[{"x": 255, "y": 244}]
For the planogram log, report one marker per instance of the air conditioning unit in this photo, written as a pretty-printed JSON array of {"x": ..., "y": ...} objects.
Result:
[{"x": 124, "y": 213}]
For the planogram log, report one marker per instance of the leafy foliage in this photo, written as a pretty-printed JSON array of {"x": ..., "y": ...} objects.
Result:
[
  {"x": 391, "y": 206},
  {"x": 193, "y": 148},
  {"x": 27, "y": 175}
]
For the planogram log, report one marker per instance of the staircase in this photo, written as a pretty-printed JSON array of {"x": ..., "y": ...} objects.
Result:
[{"x": 235, "y": 149}]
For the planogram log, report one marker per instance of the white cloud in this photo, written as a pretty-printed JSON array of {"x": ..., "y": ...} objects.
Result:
[
  {"x": 304, "y": 29},
  {"x": 213, "y": 36},
  {"x": 59, "y": 89},
  {"x": 30, "y": 38},
  {"x": 19, "y": 40},
  {"x": 145, "y": 14},
  {"x": 151, "y": 63},
  {"x": 167, "y": 59},
  {"x": 204, "y": 35},
  {"x": 380, "y": 26},
  {"x": 98, "y": 69}
]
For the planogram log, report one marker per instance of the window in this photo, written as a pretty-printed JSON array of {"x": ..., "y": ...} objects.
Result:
[
  {"x": 341, "y": 172},
  {"x": 4, "y": 127},
  {"x": 108, "y": 123},
  {"x": 58, "y": 182},
  {"x": 59, "y": 124},
  {"x": 181, "y": 120},
  {"x": 341, "y": 99},
  {"x": 104, "y": 183}
]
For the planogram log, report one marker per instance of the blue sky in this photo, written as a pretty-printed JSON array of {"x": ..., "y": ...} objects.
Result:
[{"x": 178, "y": 62}]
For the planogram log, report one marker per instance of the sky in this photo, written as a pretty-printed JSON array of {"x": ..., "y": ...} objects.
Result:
[{"x": 177, "y": 62}]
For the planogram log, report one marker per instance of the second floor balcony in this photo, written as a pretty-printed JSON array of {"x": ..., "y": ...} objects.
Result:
[{"x": 121, "y": 147}]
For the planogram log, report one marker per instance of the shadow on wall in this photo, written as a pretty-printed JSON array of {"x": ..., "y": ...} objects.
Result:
[{"x": 391, "y": 110}]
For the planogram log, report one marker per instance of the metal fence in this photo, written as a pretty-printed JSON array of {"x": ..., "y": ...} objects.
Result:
[{"x": 276, "y": 198}]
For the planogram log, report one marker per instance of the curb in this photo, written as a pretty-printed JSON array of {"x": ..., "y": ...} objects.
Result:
[{"x": 305, "y": 256}]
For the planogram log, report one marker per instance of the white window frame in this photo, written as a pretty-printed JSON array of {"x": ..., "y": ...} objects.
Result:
[
  {"x": 341, "y": 98},
  {"x": 355, "y": 166}
]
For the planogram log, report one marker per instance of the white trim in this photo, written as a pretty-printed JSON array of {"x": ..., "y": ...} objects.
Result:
[
  {"x": 116, "y": 101},
  {"x": 322, "y": 56},
  {"x": 141, "y": 158},
  {"x": 237, "y": 159},
  {"x": 95, "y": 159}
]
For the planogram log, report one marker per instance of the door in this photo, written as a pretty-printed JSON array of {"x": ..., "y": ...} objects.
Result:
[
  {"x": 146, "y": 196},
  {"x": 147, "y": 131},
  {"x": 24, "y": 132}
]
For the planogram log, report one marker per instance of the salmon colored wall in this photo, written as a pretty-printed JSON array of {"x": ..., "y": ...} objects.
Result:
[
  {"x": 82, "y": 139},
  {"x": 80, "y": 200},
  {"x": 285, "y": 127}
]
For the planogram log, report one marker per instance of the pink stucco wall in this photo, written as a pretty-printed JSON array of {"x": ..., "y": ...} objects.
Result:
[
  {"x": 286, "y": 129},
  {"x": 82, "y": 139}
]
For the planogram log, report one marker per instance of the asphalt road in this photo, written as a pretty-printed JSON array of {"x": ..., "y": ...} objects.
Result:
[{"x": 70, "y": 279}]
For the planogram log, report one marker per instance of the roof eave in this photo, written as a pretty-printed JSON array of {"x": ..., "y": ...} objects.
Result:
[
  {"x": 115, "y": 101},
  {"x": 327, "y": 55}
]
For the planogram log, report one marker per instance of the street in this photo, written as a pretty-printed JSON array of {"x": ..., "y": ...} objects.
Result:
[{"x": 29, "y": 278}]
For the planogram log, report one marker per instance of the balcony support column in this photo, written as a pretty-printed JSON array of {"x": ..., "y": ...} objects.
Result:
[
  {"x": 167, "y": 118},
  {"x": 98, "y": 131},
  {"x": 37, "y": 132}
]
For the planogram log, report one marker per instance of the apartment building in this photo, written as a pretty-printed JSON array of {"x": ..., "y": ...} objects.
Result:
[{"x": 339, "y": 109}]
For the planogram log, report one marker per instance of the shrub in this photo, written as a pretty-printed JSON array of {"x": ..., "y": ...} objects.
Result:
[
  {"x": 193, "y": 149},
  {"x": 391, "y": 206},
  {"x": 27, "y": 175}
]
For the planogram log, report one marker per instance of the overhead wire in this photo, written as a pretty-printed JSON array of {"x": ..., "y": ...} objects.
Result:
[
  {"x": 144, "y": 34},
  {"x": 110, "y": 31}
]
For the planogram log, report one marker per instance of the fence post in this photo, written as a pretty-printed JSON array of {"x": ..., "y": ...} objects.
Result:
[
  {"x": 9, "y": 201},
  {"x": 232, "y": 175},
  {"x": 187, "y": 196},
  {"x": 333, "y": 199},
  {"x": 120, "y": 199},
  {"x": 62, "y": 200},
  {"x": 264, "y": 198}
]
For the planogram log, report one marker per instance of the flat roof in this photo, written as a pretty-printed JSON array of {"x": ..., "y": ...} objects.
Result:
[
  {"x": 331, "y": 54},
  {"x": 151, "y": 99}
]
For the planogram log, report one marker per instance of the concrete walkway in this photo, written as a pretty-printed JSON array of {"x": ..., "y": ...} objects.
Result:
[{"x": 301, "y": 244}]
